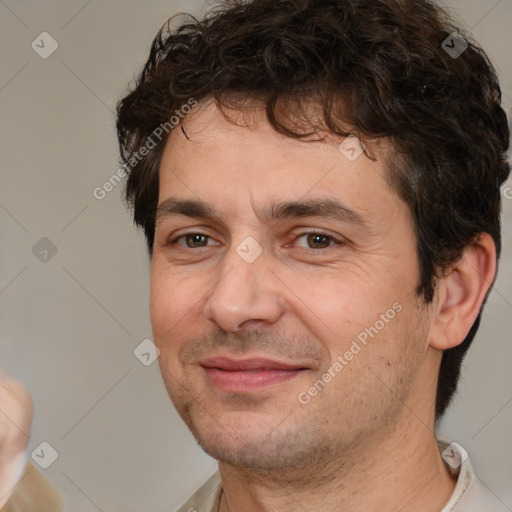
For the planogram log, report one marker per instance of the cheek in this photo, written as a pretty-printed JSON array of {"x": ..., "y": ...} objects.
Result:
[
  {"x": 339, "y": 302},
  {"x": 172, "y": 300},
  {"x": 359, "y": 321}
]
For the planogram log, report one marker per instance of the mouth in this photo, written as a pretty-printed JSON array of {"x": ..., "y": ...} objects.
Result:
[{"x": 248, "y": 375}]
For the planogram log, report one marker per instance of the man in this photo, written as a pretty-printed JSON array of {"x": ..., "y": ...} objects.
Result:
[{"x": 319, "y": 186}]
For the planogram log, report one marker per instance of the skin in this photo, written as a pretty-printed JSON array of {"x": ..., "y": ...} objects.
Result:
[
  {"x": 16, "y": 412},
  {"x": 366, "y": 441}
]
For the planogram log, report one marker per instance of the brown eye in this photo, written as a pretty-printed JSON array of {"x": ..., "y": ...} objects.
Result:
[
  {"x": 196, "y": 240},
  {"x": 192, "y": 241},
  {"x": 315, "y": 240}
]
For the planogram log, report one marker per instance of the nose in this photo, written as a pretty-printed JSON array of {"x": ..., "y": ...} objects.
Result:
[{"x": 245, "y": 295}]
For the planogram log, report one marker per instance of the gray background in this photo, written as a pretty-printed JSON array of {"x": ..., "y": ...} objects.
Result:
[{"x": 69, "y": 325}]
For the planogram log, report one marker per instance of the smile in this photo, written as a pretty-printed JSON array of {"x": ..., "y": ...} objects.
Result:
[{"x": 248, "y": 375}]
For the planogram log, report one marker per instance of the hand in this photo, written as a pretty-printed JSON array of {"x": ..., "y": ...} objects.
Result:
[{"x": 16, "y": 413}]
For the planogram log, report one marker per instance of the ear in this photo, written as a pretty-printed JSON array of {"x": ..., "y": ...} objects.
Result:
[{"x": 461, "y": 292}]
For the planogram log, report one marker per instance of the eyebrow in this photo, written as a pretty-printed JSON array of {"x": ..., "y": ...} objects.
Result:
[{"x": 327, "y": 208}]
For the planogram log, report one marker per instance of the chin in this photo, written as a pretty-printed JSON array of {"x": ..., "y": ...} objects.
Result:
[{"x": 260, "y": 447}]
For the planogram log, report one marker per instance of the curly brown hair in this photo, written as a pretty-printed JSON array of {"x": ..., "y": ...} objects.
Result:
[{"x": 379, "y": 66}]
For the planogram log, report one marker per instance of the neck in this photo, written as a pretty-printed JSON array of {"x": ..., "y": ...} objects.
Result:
[{"x": 402, "y": 468}]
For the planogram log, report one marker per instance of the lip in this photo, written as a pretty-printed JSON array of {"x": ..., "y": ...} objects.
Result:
[{"x": 248, "y": 375}]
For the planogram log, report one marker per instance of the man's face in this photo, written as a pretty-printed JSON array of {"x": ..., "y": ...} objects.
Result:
[{"x": 256, "y": 296}]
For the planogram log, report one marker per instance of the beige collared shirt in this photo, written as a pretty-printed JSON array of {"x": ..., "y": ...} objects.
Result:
[{"x": 469, "y": 495}]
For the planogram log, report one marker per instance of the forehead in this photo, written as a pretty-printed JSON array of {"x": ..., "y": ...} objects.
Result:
[{"x": 245, "y": 157}]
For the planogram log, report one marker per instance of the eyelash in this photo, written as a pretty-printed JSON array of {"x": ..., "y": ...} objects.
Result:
[{"x": 297, "y": 237}]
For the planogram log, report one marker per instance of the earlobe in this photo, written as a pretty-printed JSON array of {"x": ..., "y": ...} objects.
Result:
[{"x": 461, "y": 293}]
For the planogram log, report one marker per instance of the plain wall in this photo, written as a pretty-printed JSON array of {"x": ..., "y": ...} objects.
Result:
[{"x": 69, "y": 325}]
